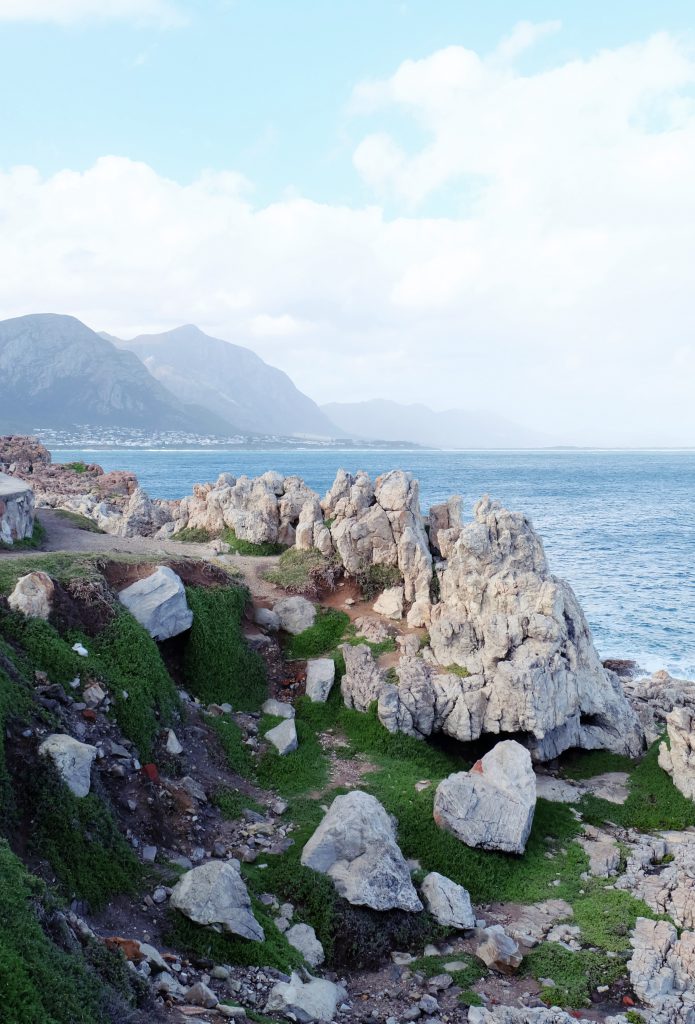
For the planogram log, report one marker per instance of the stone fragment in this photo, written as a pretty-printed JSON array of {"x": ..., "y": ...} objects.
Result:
[
  {"x": 492, "y": 805},
  {"x": 315, "y": 999},
  {"x": 390, "y": 603},
  {"x": 158, "y": 602},
  {"x": 498, "y": 950},
  {"x": 201, "y": 995},
  {"x": 267, "y": 619},
  {"x": 215, "y": 894},
  {"x": 602, "y": 850},
  {"x": 173, "y": 746},
  {"x": 303, "y": 938},
  {"x": 295, "y": 614},
  {"x": 662, "y": 971},
  {"x": 320, "y": 677},
  {"x": 73, "y": 761},
  {"x": 33, "y": 595},
  {"x": 355, "y": 845},
  {"x": 449, "y": 903},
  {"x": 284, "y": 737},
  {"x": 278, "y": 708}
]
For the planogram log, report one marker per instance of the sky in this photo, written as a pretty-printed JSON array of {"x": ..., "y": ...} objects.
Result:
[{"x": 488, "y": 207}]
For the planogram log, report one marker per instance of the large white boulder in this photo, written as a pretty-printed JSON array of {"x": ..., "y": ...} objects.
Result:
[
  {"x": 315, "y": 999},
  {"x": 678, "y": 757},
  {"x": 295, "y": 614},
  {"x": 215, "y": 894},
  {"x": 492, "y": 805},
  {"x": 158, "y": 602},
  {"x": 448, "y": 903},
  {"x": 73, "y": 761},
  {"x": 303, "y": 938},
  {"x": 521, "y": 636},
  {"x": 390, "y": 603},
  {"x": 355, "y": 845},
  {"x": 320, "y": 676},
  {"x": 16, "y": 510},
  {"x": 33, "y": 595}
]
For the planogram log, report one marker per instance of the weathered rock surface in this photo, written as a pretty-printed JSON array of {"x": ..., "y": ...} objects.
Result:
[
  {"x": 654, "y": 697},
  {"x": 678, "y": 756},
  {"x": 33, "y": 595},
  {"x": 662, "y": 971},
  {"x": 278, "y": 708},
  {"x": 73, "y": 761},
  {"x": 363, "y": 680},
  {"x": 602, "y": 850},
  {"x": 320, "y": 676},
  {"x": 492, "y": 805},
  {"x": 522, "y": 637},
  {"x": 305, "y": 1001},
  {"x": 390, "y": 603},
  {"x": 266, "y": 618},
  {"x": 158, "y": 602},
  {"x": 215, "y": 894},
  {"x": 535, "y": 921},
  {"x": 295, "y": 614},
  {"x": 670, "y": 889},
  {"x": 355, "y": 845},
  {"x": 448, "y": 903},
  {"x": 16, "y": 510},
  {"x": 499, "y": 950},
  {"x": 303, "y": 938},
  {"x": 284, "y": 737},
  {"x": 528, "y": 1015}
]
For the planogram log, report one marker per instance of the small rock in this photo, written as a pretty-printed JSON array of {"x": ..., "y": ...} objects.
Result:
[
  {"x": 201, "y": 995},
  {"x": 172, "y": 745},
  {"x": 303, "y": 938},
  {"x": 284, "y": 737},
  {"x": 278, "y": 708}
]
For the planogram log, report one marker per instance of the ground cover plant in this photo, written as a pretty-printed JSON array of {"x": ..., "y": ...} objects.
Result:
[{"x": 304, "y": 571}]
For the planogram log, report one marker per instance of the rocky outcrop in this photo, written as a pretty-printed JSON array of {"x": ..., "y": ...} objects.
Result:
[
  {"x": 158, "y": 602},
  {"x": 528, "y": 1015},
  {"x": 73, "y": 761},
  {"x": 33, "y": 595},
  {"x": 448, "y": 903},
  {"x": 16, "y": 510},
  {"x": 660, "y": 870},
  {"x": 662, "y": 971},
  {"x": 390, "y": 603},
  {"x": 492, "y": 805},
  {"x": 355, "y": 845},
  {"x": 520, "y": 634},
  {"x": 654, "y": 697},
  {"x": 678, "y": 756},
  {"x": 215, "y": 894}
]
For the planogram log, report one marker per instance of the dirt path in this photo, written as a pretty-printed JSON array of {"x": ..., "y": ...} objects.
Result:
[{"x": 63, "y": 535}]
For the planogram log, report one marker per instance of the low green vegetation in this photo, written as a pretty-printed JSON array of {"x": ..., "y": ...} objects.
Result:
[
  {"x": 40, "y": 982},
  {"x": 233, "y": 803},
  {"x": 374, "y": 578},
  {"x": 321, "y": 638},
  {"x": 78, "y": 521},
  {"x": 457, "y": 670},
  {"x": 77, "y": 467},
  {"x": 231, "y": 740},
  {"x": 587, "y": 764},
  {"x": 653, "y": 803},
  {"x": 193, "y": 535},
  {"x": 37, "y": 538},
  {"x": 576, "y": 973},
  {"x": 245, "y": 547},
  {"x": 218, "y": 665},
  {"x": 377, "y": 648},
  {"x": 303, "y": 770},
  {"x": 607, "y": 916},
  {"x": 465, "y": 977},
  {"x": 303, "y": 571}
]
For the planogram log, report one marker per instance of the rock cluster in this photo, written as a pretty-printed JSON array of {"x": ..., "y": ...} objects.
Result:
[
  {"x": 678, "y": 757},
  {"x": 16, "y": 510},
  {"x": 662, "y": 971}
]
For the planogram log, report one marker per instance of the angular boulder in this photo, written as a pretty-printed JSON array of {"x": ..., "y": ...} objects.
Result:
[
  {"x": 315, "y": 999},
  {"x": 284, "y": 737},
  {"x": 278, "y": 708},
  {"x": 295, "y": 614},
  {"x": 448, "y": 903},
  {"x": 320, "y": 676},
  {"x": 355, "y": 845},
  {"x": 390, "y": 603},
  {"x": 303, "y": 938},
  {"x": 73, "y": 761},
  {"x": 158, "y": 602},
  {"x": 16, "y": 510},
  {"x": 492, "y": 805},
  {"x": 499, "y": 950},
  {"x": 677, "y": 758},
  {"x": 662, "y": 970},
  {"x": 215, "y": 894},
  {"x": 33, "y": 595}
]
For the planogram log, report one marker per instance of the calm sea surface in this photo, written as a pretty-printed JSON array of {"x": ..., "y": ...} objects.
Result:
[{"x": 620, "y": 526}]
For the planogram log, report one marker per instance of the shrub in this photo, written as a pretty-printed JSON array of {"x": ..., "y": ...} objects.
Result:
[
  {"x": 35, "y": 541},
  {"x": 218, "y": 665},
  {"x": 375, "y": 578},
  {"x": 321, "y": 638},
  {"x": 193, "y": 535},
  {"x": 576, "y": 974},
  {"x": 76, "y": 467},
  {"x": 305, "y": 572},
  {"x": 246, "y": 547}
]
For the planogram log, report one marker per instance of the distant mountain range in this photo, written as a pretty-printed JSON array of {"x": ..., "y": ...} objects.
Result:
[
  {"x": 229, "y": 380},
  {"x": 418, "y": 424}
]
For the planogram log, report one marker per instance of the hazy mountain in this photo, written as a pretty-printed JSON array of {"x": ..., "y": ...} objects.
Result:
[
  {"x": 230, "y": 380},
  {"x": 454, "y": 428},
  {"x": 56, "y": 372}
]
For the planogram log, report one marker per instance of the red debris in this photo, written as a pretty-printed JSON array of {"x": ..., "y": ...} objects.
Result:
[
  {"x": 150, "y": 772},
  {"x": 89, "y": 714}
]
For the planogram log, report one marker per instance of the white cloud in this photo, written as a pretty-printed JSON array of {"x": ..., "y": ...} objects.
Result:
[
  {"x": 65, "y": 12},
  {"x": 523, "y": 36},
  {"x": 558, "y": 289}
]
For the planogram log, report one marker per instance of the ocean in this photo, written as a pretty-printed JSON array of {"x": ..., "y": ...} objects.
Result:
[{"x": 618, "y": 525}]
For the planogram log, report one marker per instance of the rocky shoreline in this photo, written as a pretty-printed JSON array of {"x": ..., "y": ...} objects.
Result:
[{"x": 394, "y": 643}]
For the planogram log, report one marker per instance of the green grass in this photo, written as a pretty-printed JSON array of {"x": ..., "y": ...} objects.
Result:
[
  {"x": 430, "y": 966},
  {"x": 61, "y": 565},
  {"x": 321, "y": 638},
  {"x": 303, "y": 770},
  {"x": 587, "y": 764},
  {"x": 457, "y": 670},
  {"x": 576, "y": 974},
  {"x": 193, "y": 535},
  {"x": 15, "y": 703},
  {"x": 218, "y": 665},
  {"x": 80, "y": 840},
  {"x": 653, "y": 803},
  {"x": 237, "y": 754},
  {"x": 382, "y": 647},
  {"x": 245, "y": 547},
  {"x": 76, "y": 467},
  {"x": 232, "y": 803},
  {"x": 78, "y": 521},
  {"x": 375, "y": 578},
  {"x": 37, "y": 538},
  {"x": 297, "y": 569},
  {"x": 607, "y": 916},
  {"x": 38, "y": 981}
]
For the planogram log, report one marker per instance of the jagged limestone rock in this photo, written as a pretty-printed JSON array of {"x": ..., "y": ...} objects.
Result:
[
  {"x": 355, "y": 845},
  {"x": 158, "y": 602},
  {"x": 448, "y": 903},
  {"x": 73, "y": 761},
  {"x": 662, "y": 971},
  {"x": 33, "y": 595},
  {"x": 320, "y": 676},
  {"x": 315, "y": 999},
  {"x": 678, "y": 757},
  {"x": 215, "y": 894}
]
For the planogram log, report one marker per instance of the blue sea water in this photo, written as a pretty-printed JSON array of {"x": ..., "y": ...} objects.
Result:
[{"x": 620, "y": 526}]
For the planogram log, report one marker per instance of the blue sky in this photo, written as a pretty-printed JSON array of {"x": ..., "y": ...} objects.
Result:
[{"x": 480, "y": 206}]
